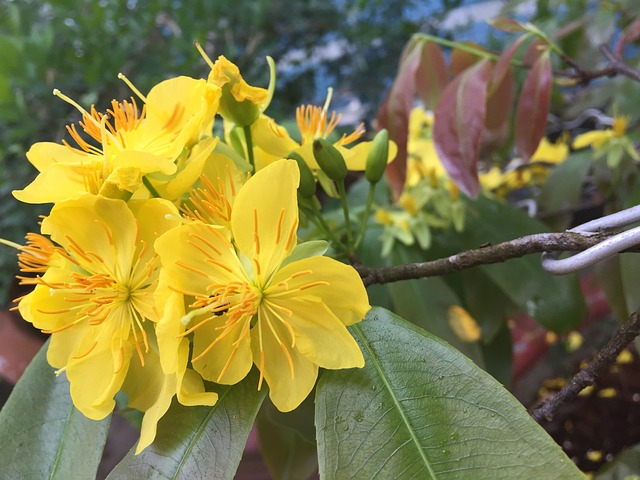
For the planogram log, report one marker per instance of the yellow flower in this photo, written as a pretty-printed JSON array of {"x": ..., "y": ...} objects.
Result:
[
  {"x": 551, "y": 152},
  {"x": 129, "y": 143},
  {"x": 255, "y": 300},
  {"x": 598, "y": 138},
  {"x": 97, "y": 293}
]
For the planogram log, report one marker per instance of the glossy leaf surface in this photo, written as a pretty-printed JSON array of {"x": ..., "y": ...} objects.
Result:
[
  {"x": 459, "y": 123},
  {"x": 198, "y": 442},
  {"x": 420, "y": 409},
  {"x": 39, "y": 420},
  {"x": 533, "y": 107}
]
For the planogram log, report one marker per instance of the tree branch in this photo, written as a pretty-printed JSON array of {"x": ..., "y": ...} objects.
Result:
[
  {"x": 587, "y": 376},
  {"x": 537, "y": 243},
  {"x": 615, "y": 67}
]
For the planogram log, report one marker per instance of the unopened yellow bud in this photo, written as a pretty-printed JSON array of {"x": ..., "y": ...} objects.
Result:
[
  {"x": 377, "y": 158},
  {"x": 330, "y": 159}
]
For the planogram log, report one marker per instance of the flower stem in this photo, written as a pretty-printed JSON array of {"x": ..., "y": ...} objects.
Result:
[
  {"x": 154, "y": 193},
  {"x": 345, "y": 210},
  {"x": 365, "y": 217},
  {"x": 247, "y": 138},
  {"x": 318, "y": 219}
]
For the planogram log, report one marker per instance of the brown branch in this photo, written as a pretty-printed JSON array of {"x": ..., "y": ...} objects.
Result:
[
  {"x": 615, "y": 67},
  {"x": 537, "y": 243},
  {"x": 587, "y": 376}
]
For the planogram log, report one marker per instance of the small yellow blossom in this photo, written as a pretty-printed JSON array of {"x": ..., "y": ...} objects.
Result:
[
  {"x": 463, "y": 324},
  {"x": 253, "y": 301}
]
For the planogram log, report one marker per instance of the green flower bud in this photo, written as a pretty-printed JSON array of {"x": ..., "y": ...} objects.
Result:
[
  {"x": 330, "y": 159},
  {"x": 307, "y": 187},
  {"x": 377, "y": 158}
]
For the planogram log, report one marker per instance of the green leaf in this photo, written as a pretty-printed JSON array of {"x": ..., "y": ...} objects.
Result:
[
  {"x": 556, "y": 302},
  {"x": 198, "y": 442},
  {"x": 42, "y": 435},
  {"x": 561, "y": 191},
  {"x": 287, "y": 441},
  {"x": 420, "y": 409},
  {"x": 312, "y": 248}
]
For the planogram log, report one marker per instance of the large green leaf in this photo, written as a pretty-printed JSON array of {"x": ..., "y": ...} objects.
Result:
[
  {"x": 42, "y": 435},
  {"x": 420, "y": 409},
  {"x": 556, "y": 302},
  {"x": 198, "y": 442}
]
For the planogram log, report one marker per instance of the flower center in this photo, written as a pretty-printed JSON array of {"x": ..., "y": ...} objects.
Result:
[
  {"x": 211, "y": 203},
  {"x": 313, "y": 123}
]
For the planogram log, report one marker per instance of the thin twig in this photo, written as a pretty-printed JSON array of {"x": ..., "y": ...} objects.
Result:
[
  {"x": 625, "y": 334},
  {"x": 537, "y": 243},
  {"x": 615, "y": 67}
]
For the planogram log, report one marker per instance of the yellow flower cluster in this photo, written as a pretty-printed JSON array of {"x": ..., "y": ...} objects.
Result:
[{"x": 166, "y": 260}]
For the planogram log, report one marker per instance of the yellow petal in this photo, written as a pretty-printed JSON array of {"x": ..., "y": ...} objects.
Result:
[
  {"x": 196, "y": 255},
  {"x": 272, "y": 138},
  {"x": 286, "y": 391},
  {"x": 595, "y": 138},
  {"x": 60, "y": 182},
  {"x": 189, "y": 173},
  {"x": 190, "y": 389},
  {"x": 229, "y": 360},
  {"x": 264, "y": 219},
  {"x": 169, "y": 329},
  {"x": 338, "y": 286},
  {"x": 144, "y": 383},
  {"x": 96, "y": 377},
  {"x": 43, "y": 155},
  {"x": 320, "y": 336},
  {"x": 100, "y": 225},
  {"x": 356, "y": 157},
  {"x": 463, "y": 324}
]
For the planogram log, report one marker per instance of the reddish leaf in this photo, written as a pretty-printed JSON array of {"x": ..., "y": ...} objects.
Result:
[
  {"x": 533, "y": 107},
  {"x": 499, "y": 103},
  {"x": 507, "y": 24},
  {"x": 459, "y": 123},
  {"x": 432, "y": 74},
  {"x": 503, "y": 65},
  {"x": 499, "y": 98},
  {"x": 394, "y": 116},
  {"x": 461, "y": 59},
  {"x": 534, "y": 50}
]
